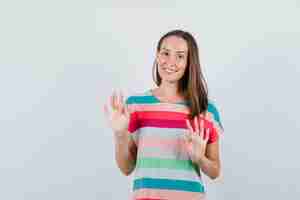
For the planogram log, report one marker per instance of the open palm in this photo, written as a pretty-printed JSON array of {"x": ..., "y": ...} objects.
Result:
[
  {"x": 195, "y": 141},
  {"x": 118, "y": 115}
]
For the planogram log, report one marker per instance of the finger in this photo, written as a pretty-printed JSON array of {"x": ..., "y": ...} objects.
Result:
[
  {"x": 186, "y": 136},
  {"x": 120, "y": 102},
  {"x": 125, "y": 106},
  {"x": 207, "y": 135},
  {"x": 130, "y": 109},
  {"x": 187, "y": 141},
  {"x": 126, "y": 111},
  {"x": 189, "y": 126},
  {"x": 193, "y": 137},
  {"x": 202, "y": 129},
  {"x": 196, "y": 125},
  {"x": 200, "y": 123},
  {"x": 106, "y": 111},
  {"x": 111, "y": 99},
  {"x": 121, "y": 98},
  {"x": 114, "y": 101}
]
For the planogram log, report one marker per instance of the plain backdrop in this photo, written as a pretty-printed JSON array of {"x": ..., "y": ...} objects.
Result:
[{"x": 60, "y": 60}]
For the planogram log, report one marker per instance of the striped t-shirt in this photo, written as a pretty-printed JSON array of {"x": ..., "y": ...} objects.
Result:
[{"x": 163, "y": 168}]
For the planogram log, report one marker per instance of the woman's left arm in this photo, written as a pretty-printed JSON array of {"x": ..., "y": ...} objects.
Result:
[
  {"x": 203, "y": 153},
  {"x": 210, "y": 163}
]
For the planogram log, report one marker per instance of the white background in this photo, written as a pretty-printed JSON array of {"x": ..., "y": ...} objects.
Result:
[{"x": 60, "y": 60}]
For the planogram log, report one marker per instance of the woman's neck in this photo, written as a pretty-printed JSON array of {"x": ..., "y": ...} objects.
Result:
[{"x": 168, "y": 91}]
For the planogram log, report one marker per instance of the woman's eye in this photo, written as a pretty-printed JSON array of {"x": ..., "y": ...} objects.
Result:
[
  {"x": 165, "y": 53},
  {"x": 181, "y": 56}
]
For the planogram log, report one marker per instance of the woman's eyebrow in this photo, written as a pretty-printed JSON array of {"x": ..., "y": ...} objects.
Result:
[{"x": 180, "y": 51}]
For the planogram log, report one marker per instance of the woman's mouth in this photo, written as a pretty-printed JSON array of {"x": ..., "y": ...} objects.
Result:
[{"x": 169, "y": 71}]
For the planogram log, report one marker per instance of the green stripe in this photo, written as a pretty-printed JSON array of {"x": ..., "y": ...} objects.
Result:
[{"x": 165, "y": 163}]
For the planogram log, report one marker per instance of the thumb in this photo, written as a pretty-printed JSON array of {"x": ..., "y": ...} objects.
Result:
[
  {"x": 127, "y": 110},
  {"x": 106, "y": 112}
]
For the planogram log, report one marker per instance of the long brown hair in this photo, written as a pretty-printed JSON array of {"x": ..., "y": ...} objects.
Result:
[{"x": 192, "y": 86}]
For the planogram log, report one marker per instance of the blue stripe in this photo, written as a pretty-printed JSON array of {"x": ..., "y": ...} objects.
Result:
[
  {"x": 148, "y": 99},
  {"x": 141, "y": 100},
  {"x": 212, "y": 109},
  {"x": 179, "y": 185}
]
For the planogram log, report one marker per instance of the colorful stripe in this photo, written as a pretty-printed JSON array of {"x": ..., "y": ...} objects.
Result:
[
  {"x": 162, "y": 143},
  {"x": 161, "y": 133},
  {"x": 167, "y": 184},
  {"x": 165, "y": 163},
  {"x": 159, "y": 107},
  {"x": 167, "y": 194},
  {"x": 167, "y": 124},
  {"x": 163, "y": 154},
  {"x": 141, "y": 100},
  {"x": 170, "y": 115},
  {"x": 167, "y": 174},
  {"x": 162, "y": 123},
  {"x": 173, "y": 148}
]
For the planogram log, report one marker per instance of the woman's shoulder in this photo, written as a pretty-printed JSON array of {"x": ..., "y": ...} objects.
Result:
[
  {"x": 212, "y": 106},
  {"x": 214, "y": 112}
]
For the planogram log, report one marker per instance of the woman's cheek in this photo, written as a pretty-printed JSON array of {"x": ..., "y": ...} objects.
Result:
[{"x": 160, "y": 61}]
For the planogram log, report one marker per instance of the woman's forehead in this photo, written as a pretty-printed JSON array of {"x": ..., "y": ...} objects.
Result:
[{"x": 174, "y": 43}]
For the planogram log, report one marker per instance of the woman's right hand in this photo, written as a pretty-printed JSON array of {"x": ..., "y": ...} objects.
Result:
[{"x": 118, "y": 115}]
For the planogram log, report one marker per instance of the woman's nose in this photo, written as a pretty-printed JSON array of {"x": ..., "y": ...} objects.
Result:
[{"x": 172, "y": 60}]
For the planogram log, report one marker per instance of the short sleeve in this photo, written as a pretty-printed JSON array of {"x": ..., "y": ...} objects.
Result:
[
  {"x": 133, "y": 125},
  {"x": 216, "y": 126}
]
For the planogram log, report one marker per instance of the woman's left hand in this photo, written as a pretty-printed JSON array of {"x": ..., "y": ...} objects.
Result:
[{"x": 196, "y": 140}]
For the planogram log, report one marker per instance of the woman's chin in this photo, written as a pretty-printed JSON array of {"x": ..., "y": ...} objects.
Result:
[{"x": 170, "y": 80}]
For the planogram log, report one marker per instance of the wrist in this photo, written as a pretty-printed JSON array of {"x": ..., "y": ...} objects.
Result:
[
  {"x": 121, "y": 136},
  {"x": 201, "y": 160},
  {"x": 120, "y": 133}
]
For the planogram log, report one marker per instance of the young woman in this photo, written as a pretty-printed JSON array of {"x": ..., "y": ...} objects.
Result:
[{"x": 168, "y": 135}]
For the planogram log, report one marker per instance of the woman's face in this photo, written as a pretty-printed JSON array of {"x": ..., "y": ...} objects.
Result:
[{"x": 172, "y": 59}]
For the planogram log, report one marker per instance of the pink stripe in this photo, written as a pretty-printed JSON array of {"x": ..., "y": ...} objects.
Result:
[
  {"x": 162, "y": 115},
  {"x": 153, "y": 154},
  {"x": 162, "y": 143},
  {"x": 160, "y": 107},
  {"x": 167, "y": 194},
  {"x": 162, "y": 123}
]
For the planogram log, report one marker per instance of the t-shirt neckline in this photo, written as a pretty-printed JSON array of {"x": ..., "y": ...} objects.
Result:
[{"x": 150, "y": 92}]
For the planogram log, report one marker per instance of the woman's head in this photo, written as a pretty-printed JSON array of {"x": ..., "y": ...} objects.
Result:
[
  {"x": 171, "y": 59},
  {"x": 177, "y": 60}
]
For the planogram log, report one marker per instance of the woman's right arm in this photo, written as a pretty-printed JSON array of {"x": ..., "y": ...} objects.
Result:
[
  {"x": 125, "y": 152},
  {"x": 125, "y": 148}
]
